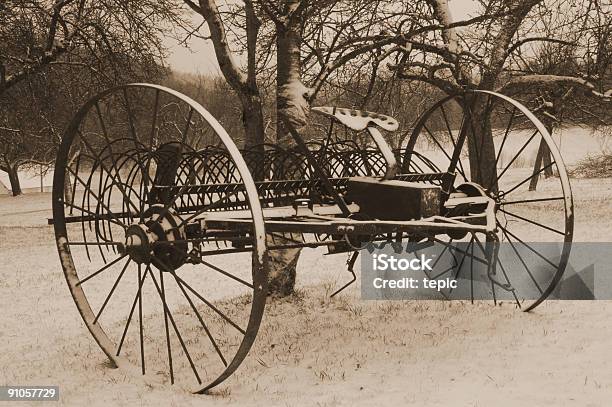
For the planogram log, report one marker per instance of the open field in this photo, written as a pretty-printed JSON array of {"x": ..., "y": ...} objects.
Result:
[{"x": 313, "y": 350}]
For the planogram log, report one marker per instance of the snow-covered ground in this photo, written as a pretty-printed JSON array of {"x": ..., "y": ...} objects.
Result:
[{"x": 313, "y": 350}]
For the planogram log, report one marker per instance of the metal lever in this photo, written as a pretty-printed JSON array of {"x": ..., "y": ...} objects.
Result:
[
  {"x": 392, "y": 167},
  {"x": 351, "y": 264}
]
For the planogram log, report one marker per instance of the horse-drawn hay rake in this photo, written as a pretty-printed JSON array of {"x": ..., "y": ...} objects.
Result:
[{"x": 165, "y": 228}]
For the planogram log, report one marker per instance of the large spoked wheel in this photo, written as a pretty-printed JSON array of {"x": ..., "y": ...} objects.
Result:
[
  {"x": 511, "y": 157},
  {"x": 157, "y": 298}
]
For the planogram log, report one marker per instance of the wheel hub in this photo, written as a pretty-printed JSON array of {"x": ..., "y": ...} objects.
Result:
[{"x": 159, "y": 239}]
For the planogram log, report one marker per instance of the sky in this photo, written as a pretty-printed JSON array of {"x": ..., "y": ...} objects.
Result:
[{"x": 199, "y": 59}]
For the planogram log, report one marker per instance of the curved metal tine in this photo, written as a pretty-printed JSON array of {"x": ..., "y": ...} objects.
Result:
[
  {"x": 186, "y": 185},
  {"x": 108, "y": 203},
  {"x": 132, "y": 161},
  {"x": 112, "y": 155},
  {"x": 450, "y": 133},
  {"x": 137, "y": 297},
  {"x": 176, "y": 330},
  {"x": 104, "y": 186},
  {"x": 73, "y": 192},
  {"x": 85, "y": 197},
  {"x": 96, "y": 222},
  {"x": 110, "y": 294},
  {"x": 150, "y": 154},
  {"x": 119, "y": 185},
  {"x": 137, "y": 168},
  {"x": 90, "y": 192}
]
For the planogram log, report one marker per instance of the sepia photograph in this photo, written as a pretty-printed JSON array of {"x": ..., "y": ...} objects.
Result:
[{"x": 306, "y": 203}]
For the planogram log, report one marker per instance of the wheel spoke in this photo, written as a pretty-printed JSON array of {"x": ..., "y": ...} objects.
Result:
[
  {"x": 140, "y": 322},
  {"x": 558, "y": 198},
  {"x": 516, "y": 156},
  {"x": 523, "y": 263},
  {"x": 438, "y": 144},
  {"x": 176, "y": 331},
  {"x": 225, "y": 273},
  {"x": 508, "y": 281},
  {"x": 110, "y": 243},
  {"x": 464, "y": 252},
  {"x": 529, "y": 247},
  {"x": 195, "y": 310},
  {"x": 532, "y": 222},
  {"x": 535, "y": 174},
  {"x": 100, "y": 270},
  {"x": 205, "y": 301},
  {"x": 129, "y": 319},
  {"x": 110, "y": 294},
  {"x": 162, "y": 295},
  {"x": 506, "y": 133}
]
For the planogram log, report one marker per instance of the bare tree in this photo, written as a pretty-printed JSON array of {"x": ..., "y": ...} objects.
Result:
[
  {"x": 47, "y": 47},
  {"x": 490, "y": 54}
]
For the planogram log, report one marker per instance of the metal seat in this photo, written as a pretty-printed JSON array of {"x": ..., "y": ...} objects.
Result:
[{"x": 358, "y": 119}]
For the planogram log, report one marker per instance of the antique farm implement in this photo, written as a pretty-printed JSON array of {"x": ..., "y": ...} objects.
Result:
[{"x": 165, "y": 228}]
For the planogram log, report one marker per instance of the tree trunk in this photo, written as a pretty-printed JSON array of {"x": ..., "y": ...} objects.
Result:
[
  {"x": 481, "y": 147},
  {"x": 292, "y": 106},
  {"x": 68, "y": 189},
  {"x": 252, "y": 119},
  {"x": 14, "y": 180}
]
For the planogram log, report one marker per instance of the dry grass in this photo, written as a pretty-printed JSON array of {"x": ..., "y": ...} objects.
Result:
[{"x": 599, "y": 166}]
